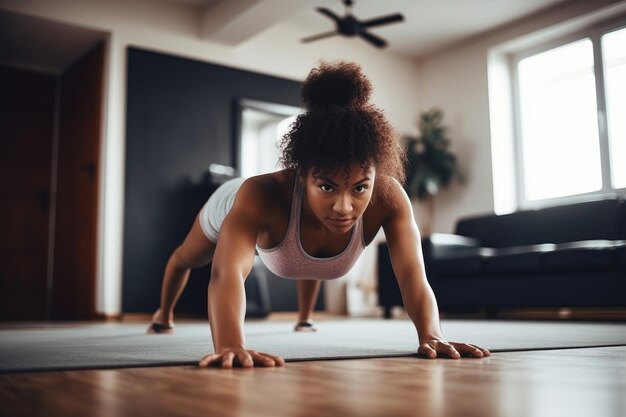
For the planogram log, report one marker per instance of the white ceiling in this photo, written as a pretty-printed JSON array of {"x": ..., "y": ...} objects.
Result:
[{"x": 429, "y": 24}]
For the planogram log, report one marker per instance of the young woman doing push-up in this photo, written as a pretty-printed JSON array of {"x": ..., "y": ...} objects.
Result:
[{"x": 341, "y": 182}]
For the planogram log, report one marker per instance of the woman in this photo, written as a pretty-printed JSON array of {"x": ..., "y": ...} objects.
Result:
[{"x": 311, "y": 221}]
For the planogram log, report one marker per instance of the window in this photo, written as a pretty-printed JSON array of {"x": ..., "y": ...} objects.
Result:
[
  {"x": 614, "y": 54},
  {"x": 262, "y": 126},
  {"x": 570, "y": 141}
]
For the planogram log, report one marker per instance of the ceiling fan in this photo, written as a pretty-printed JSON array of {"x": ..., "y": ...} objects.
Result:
[{"x": 348, "y": 25}]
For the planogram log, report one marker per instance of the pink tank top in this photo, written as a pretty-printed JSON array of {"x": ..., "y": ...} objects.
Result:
[{"x": 289, "y": 260}]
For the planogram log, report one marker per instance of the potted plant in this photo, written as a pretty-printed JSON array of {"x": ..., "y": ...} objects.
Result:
[{"x": 431, "y": 166}]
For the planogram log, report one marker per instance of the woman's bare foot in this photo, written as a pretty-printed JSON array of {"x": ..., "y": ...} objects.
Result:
[{"x": 160, "y": 324}]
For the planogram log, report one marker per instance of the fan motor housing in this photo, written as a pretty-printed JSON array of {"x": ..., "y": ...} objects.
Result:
[{"x": 349, "y": 26}]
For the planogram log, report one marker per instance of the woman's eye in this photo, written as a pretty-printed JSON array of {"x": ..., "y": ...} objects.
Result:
[
  {"x": 360, "y": 189},
  {"x": 326, "y": 188}
]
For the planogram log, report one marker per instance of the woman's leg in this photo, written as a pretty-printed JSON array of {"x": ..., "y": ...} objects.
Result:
[
  {"x": 308, "y": 291},
  {"x": 195, "y": 251}
]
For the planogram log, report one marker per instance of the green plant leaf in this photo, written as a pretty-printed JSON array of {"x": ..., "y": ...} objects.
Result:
[{"x": 431, "y": 166}]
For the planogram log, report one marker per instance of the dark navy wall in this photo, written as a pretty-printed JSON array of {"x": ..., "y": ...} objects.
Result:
[{"x": 180, "y": 119}]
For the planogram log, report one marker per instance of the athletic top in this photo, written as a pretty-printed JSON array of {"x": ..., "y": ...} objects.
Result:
[{"x": 289, "y": 260}]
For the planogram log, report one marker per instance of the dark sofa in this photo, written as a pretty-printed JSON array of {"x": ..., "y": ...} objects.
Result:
[{"x": 566, "y": 256}]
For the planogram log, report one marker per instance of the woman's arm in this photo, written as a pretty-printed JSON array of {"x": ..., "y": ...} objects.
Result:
[
  {"x": 403, "y": 240},
  {"x": 232, "y": 263}
]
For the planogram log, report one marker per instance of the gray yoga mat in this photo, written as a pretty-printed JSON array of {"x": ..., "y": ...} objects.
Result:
[{"x": 116, "y": 345}]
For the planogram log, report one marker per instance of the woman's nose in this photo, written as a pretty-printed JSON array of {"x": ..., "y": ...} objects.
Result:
[{"x": 343, "y": 205}]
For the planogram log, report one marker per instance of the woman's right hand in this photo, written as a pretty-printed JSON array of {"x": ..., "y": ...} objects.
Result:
[{"x": 227, "y": 358}]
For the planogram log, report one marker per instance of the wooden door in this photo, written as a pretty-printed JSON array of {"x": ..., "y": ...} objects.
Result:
[
  {"x": 74, "y": 287},
  {"x": 27, "y": 101}
]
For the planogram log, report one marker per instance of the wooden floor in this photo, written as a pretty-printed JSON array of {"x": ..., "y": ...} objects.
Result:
[{"x": 571, "y": 382}]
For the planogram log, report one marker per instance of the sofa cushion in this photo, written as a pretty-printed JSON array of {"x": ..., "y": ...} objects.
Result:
[
  {"x": 622, "y": 220},
  {"x": 573, "y": 222},
  {"x": 468, "y": 264},
  {"x": 518, "y": 263},
  {"x": 577, "y": 222},
  {"x": 620, "y": 257},
  {"x": 498, "y": 231},
  {"x": 583, "y": 255},
  {"x": 444, "y": 245},
  {"x": 517, "y": 259}
]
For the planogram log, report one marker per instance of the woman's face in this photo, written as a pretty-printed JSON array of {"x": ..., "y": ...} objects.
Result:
[{"x": 339, "y": 201}]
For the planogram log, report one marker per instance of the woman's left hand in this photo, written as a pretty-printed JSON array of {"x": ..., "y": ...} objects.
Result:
[{"x": 434, "y": 347}]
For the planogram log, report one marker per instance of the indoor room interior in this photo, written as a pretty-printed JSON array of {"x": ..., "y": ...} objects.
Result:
[{"x": 120, "y": 118}]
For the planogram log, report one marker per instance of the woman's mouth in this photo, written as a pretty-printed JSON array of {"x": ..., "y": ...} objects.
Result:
[{"x": 341, "y": 221}]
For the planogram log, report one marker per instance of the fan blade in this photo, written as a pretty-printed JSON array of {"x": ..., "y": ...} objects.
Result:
[
  {"x": 384, "y": 20},
  {"x": 320, "y": 36},
  {"x": 329, "y": 13},
  {"x": 373, "y": 39}
]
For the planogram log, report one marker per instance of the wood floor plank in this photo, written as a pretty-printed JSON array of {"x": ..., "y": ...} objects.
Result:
[{"x": 573, "y": 382}]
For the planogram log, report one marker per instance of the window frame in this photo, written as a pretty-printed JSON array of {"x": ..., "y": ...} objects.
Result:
[{"x": 594, "y": 34}]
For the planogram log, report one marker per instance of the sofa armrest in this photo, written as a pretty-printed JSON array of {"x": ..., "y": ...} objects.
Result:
[{"x": 445, "y": 245}]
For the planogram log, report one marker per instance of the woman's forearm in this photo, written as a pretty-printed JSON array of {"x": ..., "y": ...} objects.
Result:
[
  {"x": 227, "y": 309},
  {"x": 421, "y": 306}
]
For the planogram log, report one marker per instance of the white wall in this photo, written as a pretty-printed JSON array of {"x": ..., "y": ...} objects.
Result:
[
  {"x": 174, "y": 29},
  {"x": 457, "y": 81}
]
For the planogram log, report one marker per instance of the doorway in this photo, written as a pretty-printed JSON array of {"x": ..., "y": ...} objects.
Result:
[
  {"x": 50, "y": 140},
  {"x": 260, "y": 128}
]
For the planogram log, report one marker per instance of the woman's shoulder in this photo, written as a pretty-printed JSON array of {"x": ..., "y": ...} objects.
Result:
[
  {"x": 267, "y": 191},
  {"x": 388, "y": 202},
  {"x": 273, "y": 182},
  {"x": 389, "y": 193}
]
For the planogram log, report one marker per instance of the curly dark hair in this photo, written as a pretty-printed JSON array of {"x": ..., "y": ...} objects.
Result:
[{"x": 340, "y": 126}]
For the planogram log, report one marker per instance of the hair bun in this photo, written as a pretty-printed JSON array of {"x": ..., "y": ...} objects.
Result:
[{"x": 340, "y": 84}]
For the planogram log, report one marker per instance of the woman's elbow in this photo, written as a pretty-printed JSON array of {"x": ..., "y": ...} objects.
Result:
[{"x": 221, "y": 274}]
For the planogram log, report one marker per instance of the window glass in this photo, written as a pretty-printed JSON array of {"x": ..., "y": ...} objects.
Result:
[
  {"x": 614, "y": 52},
  {"x": 559, "y": 126}
]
